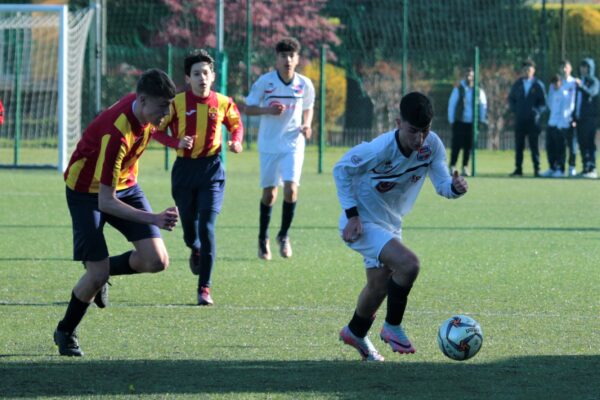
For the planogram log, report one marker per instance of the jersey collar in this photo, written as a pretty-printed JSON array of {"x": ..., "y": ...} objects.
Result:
[{"x": 284, "y": 82}]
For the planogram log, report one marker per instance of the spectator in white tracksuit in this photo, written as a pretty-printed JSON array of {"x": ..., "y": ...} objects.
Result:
[{"x": 561, "y": 102}]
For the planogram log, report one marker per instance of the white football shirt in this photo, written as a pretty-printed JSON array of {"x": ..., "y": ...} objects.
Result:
[
  {"x": 281, "y": 133},
  {"x": 383, "y": 184}
]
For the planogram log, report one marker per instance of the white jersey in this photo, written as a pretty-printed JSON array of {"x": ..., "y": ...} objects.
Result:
[
  {"x": 561, "y": 103},
  {"x": 383, "y": 184},
  {"x": 281, "y": 133}
]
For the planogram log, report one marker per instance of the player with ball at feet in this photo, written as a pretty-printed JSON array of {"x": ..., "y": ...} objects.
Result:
[{"x": 377, "y": 184}]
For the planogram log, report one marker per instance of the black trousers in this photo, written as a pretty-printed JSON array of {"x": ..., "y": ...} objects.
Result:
[
  {"x": 556, "y": 144},
  {"x": 532, "y": 131},
  {"x": 462, "y": 138},
  {"x": 586, "y": 137}
]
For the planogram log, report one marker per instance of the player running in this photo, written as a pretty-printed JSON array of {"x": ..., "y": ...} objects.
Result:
[{"x": 377, "y": 184}]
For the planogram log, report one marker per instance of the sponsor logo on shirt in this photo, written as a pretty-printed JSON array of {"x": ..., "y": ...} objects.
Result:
[
  {"x": 188, "y": 113},
  {"x": 383, "y": 187},
  {"x": 424, "y": 153},
  {"x": 212, "y": 113}
]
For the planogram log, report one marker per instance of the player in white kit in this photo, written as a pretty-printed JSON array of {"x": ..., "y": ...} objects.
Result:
[
  {"x": 377, "y": 184},
  {"x": 284, "y": 99}
]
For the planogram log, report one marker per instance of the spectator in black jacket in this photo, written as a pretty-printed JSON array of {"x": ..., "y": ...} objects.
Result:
[
  {"x": 527, "y": 100},
  {"x": 586, "y": 116}
]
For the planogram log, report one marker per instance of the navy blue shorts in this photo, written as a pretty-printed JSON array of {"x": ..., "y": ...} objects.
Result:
[
  {"x": 89, "y": 243},
  {"x": 198, "y": 184}
]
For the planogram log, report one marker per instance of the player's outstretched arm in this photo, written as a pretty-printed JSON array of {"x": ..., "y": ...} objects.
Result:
[
  {"x": 275, "y": 109},
  {"x": 459, "y": 183},
  {"x": 110, "y": 204}
]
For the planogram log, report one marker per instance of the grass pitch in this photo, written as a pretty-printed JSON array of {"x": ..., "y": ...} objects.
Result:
[{"x": 519, "y": 255}]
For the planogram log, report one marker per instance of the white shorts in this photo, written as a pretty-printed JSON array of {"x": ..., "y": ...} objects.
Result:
[
  {"x": 276, "y": 168},
  {"x": 374, "y": 237}
]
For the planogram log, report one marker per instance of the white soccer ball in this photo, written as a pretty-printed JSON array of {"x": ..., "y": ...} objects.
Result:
[{"x": 460, "y": 337}]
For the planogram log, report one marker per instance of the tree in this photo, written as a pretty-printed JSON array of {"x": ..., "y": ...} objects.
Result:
[
  {"x": 335, "y": 90},
  {"x": 193, "y": 24}
]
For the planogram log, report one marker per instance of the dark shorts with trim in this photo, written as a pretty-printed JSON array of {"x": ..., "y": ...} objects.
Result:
[{"x": 88, "y": 221}]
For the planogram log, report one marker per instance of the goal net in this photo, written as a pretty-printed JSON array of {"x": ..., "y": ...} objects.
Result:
[{"x": 42, "y": 49}]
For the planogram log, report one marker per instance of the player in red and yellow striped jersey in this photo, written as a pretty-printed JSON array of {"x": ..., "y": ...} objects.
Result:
[
  {"x": 102, "y": 187},
  {"x": 198, "y": 179}
]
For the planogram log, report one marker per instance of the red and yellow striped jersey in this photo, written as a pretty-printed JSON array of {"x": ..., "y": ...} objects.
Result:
[
  {"x": 109, "y": 150},
  {"x": 203, "y": 119}
]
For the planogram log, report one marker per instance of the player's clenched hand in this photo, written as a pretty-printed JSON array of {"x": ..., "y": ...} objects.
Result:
[
  {"x": 306, "y": 130},
  {"x": 353, "y": 230},
  {"x": 186, "y": 142},
  {"x": 276, "y": 109},
  {"x": 234, "y": 146},
  {"x": 459, "y": 183},
  {"x": 167, "y": 219}
]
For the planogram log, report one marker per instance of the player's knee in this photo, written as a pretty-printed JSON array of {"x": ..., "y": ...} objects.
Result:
[
  {"x": 268, "y": 198},
  {"x": 99, "y": 278},
  {"x": 157, "y": 263},
  {"x": 412, "y": 266}
]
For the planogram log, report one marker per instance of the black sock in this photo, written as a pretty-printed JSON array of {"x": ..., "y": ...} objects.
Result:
[
  {"x": 119, "y": 265},
  {"x": 74, "y": 314},
  {"x": 360, "y": 326},
  {"x": 265, "y": 218},
  {"x": 286, "y": 218},
  {"x": 396, "y": 302}
]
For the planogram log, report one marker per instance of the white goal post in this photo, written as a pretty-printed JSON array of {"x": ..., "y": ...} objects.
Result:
[{"x": 41, "y": 73}]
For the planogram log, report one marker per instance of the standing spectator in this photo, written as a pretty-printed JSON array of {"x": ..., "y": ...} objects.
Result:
[
  {"x": 569, "y": 84},
  {"x": 460, "y": 117},
  {"x": 1, "y": 113},
  {"x": 198, "y": 178},
  {"x": 527, "y": 100},
  {"x": 561, "y": 101},
  {"x": 284, "y": 99},
  {"x": 586, "y": 113}
]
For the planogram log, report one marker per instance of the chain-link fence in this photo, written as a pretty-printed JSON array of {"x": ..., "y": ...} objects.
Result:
[{"x": 375, "y": 50}]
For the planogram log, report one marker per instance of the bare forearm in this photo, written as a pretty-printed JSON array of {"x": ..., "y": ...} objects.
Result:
[
  {"x": 108, "y": 203},
  {"x": 255, "y": 110},
  {"x": 307, "y": 116}
]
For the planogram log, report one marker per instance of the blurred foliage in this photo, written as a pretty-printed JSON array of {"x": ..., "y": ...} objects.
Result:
[{"x": 335, "y": 90}]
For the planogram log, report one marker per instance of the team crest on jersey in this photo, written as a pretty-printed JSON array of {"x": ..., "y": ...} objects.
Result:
[
  {"x": 424, "y": 153},
  {"x": 383, "y": 187},
  {"x": 212, "y": 113},
  {"x": 384, "y": 167},
  {"x": 298, "y": 89},
  {"x": 415, "y": 178},
  {"x": 356, "y": 160}
]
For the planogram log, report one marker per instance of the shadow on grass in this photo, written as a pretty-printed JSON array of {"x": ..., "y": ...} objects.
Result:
[{"x": 544, "y": 377}]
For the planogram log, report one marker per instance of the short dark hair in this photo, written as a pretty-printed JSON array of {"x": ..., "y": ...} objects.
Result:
[
  {"x": 155, "y": 82},
  {"x": 528, "y": 63},
  {"x": 555, "y": 79},
  {"x": 565, "y": 62},
  {"x": 416, "y": 109},
  {"x": 288, "y": 44},
  {"x": 195, "y": 57}
]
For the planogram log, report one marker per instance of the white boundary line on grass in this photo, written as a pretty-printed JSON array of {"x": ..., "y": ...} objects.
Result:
[{"x": 332, "y": 309}]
